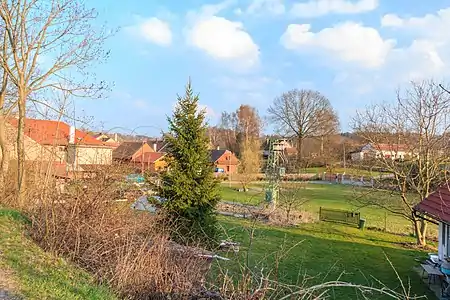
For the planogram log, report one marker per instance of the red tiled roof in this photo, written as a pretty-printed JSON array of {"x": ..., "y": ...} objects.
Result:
[
  {"x": 437, "y": 204},
  {"x": 149, "y": 157},
  {"x": 46, "y": 132}
]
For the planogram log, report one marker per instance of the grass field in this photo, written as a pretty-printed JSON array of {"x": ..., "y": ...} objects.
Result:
[
  {"x": 326, "y": 252},
  {"x": 39, "y": 275},
  {"x": 328, "y": 196},
  {"x": 348, "y": 171}
]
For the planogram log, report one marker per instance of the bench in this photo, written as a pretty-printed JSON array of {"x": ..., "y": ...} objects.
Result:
[{"x": 432, "y": 272}]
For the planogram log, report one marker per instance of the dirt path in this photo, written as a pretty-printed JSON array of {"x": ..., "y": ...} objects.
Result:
[{"x": 7, "y": 284}]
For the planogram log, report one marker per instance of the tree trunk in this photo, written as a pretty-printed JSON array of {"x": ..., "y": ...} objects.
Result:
[
  {"x": 321, "y": 146},
  {"x": 299, "y": 152},
  {"x": 420, "y": 229},
  {"x": 21, "y": 172},
  {"x": 4, "y": 153}
]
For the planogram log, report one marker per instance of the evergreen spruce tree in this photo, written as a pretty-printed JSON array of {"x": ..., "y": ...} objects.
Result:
[{"x": 188, "y": 184}]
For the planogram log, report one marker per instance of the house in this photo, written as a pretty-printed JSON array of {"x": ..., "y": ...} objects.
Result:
[
  {"x": 58, "y": 142},
  {"x": 283, "y": 144},
  {"x": 158, "y": 144},
  {"x": 114, "y": 142},
  {"x": 392, "y": 151},
  {"x": 437, "y": 207},
  {"x": 224, "y": 161},
  {"x": 129, "y": 151},
  {"x": 152, "y": 161}
]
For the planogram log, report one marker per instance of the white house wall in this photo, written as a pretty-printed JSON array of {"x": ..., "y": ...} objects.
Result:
[
  {"x": 379, "y": 154},
  {"x": 443, "y": 241}
]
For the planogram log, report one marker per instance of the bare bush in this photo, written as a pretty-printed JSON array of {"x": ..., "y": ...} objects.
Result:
[{"x": 123, "y": 248}]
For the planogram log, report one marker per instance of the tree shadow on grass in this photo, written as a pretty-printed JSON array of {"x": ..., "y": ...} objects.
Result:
[{"x": 328, "y": 258}]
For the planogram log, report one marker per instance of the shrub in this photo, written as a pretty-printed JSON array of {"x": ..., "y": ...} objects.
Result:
[{"x": 126, "y": 249}]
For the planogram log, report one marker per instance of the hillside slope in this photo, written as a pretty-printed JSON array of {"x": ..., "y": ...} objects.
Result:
[{"x": 27, "y": 272}]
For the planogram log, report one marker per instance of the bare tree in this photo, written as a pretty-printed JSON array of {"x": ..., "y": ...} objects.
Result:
[
  {"x": 409, "y": 139},
  {"x": 328, "y": 126},
  {"x": 301, "y": 114},
  {"x": 291, "y": 198},
  {"x": 228, "y": 131},
  {"x": 248, "y": 123},
  {"x": 247, "y": 127},
  {"x": 51, "y": 44}
]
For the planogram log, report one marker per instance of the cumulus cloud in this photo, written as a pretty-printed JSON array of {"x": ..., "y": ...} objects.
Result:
[
  {"x": 317, "y": 8},
  {"x": 430, "y": 26},
  {"x": 274, "y": 7},
  {"x": 365, "y": 59},
  {"x": 348, "y": 42},
  {"x": 224, "y": 40},
  {"x": 427, "y": 55},
  {"x": 153, "y": 30}
]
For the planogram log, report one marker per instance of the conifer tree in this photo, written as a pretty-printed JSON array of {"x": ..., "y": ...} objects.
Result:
[{"x": 189, "y": 185}]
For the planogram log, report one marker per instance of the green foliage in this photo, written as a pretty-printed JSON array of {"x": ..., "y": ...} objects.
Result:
[{"x": 189, "y": 185}]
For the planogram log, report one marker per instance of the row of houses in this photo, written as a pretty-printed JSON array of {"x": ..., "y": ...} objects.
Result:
[
  {"x": 73, "y": 151},
  {"x": 378, "y": 151}
]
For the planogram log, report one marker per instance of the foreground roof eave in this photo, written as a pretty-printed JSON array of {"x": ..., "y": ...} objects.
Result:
[{"x": 437, "y": 204}]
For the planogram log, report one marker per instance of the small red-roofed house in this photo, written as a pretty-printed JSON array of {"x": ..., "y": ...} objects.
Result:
[
  {"x": 152, "y": 161},
  {"x": 61, "y": 144},
  {"x": 437, "y": 207}
]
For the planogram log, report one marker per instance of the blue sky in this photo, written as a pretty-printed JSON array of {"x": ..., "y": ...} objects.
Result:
[{"x": 355, "y": 52}]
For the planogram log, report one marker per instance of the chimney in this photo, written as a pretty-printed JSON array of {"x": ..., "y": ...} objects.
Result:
[
  {"x": 155, "y": 146},
  {"x": 115, "y": 137},
  {"x": 72, "y": 135}
]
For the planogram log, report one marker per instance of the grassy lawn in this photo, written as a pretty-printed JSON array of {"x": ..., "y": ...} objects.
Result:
[
  {"x": 348, "y": 171},
  {"x": 326, "y": 252},
  {"x": 40, "y": 275},
  {"x": 329, "y": 196}
]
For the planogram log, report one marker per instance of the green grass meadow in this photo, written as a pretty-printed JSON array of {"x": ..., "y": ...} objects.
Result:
[
  {"x": 328, "y": 251},
  {"x": 38, "y": 274},
  {"x": 325, "y": 252},
  {"x": 328, "y": 195}
]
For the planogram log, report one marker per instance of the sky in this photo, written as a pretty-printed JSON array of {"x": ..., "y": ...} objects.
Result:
[{"x": 355, "y": 52}]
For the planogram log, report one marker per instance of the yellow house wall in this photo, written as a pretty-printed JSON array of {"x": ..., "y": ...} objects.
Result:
[{"x": 94, "y": 156}]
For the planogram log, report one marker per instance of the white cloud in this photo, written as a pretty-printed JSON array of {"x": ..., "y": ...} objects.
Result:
[
  {"x": 224, "y": 40},
  {"x": 209, "y": 10},
  {"x": 153, "y": 30},
  {"x": 391, "y": 20},
  {"x": 210, "y": 113},
  {"x": 430, "y": 26},
  {"x": 348, "y": 42},
  {"x": 425, "y": 56},
  {"x": 275, "y": 7},
  {"x": 317, "y": 8}
]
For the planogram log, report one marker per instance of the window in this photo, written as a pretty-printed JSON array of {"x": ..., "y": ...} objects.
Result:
[{"x": 228, "y": 168}]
